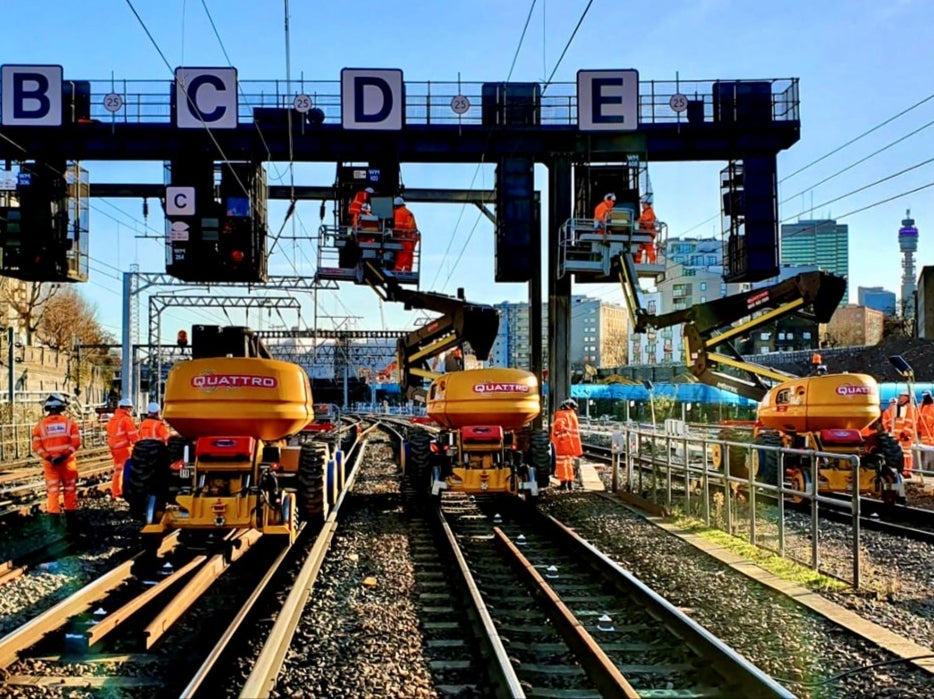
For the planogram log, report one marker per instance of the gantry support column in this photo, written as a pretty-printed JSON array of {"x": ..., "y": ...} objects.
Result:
[{"x": 559, "y": 290}]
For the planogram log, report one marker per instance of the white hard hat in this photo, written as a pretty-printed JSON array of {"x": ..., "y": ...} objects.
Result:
[
  {"x": 125, "y": 403},
  {"x": 54, "y": 402},
  {"x": 153, "y": 409},
  {"x": 610, "y": 196},
  {"x": 368, "y": 190},
  {"x": 398, "y": 201}
]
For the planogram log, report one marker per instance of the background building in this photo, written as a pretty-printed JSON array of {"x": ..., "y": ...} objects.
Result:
[
  {"x": 924, "y": 316},
  {"x": 821, "y": 242},
  {"x": 877, "y": 298},
  {"x": 853, "y": 326},
  {"x": 599, "y": 334},
  {"x": 513, "y": 344}
]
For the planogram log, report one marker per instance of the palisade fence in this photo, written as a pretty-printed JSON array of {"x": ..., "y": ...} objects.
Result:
[
  {"x": 676, "y": 470},
  {"x": 16, "y": 425}
]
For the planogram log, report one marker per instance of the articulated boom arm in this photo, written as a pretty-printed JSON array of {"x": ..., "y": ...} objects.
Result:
[
  {"x": 460, "y": 322},
  {"x": 812, "y": 295}
]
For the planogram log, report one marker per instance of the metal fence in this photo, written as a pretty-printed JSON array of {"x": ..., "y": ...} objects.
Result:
[
  {"x": 676, "y": 470},
  {"x": 16, "y": 437}
]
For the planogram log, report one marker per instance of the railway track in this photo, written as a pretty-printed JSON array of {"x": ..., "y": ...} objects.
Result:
[
  {"x": 573, "y": 623},
  {"x": 150, "y": 622},
  {"x": 23, "y": 492}
]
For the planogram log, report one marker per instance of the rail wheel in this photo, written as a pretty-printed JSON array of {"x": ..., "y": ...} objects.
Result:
[
  {"x": 799, "y": 480},
  {"x": 147, "y": 478},
  {"x": 312, "y": 461},
  {"x": 540, "y": 457}
]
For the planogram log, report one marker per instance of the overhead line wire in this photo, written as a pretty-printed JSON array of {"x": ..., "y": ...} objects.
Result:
[
  {"x": 859, "y": 137},
  {"x": 839, "y": 148},
  {"x": 196, "y": 111},
  {"x": 566, "y": 47},
  {"x": 473, "y": 179}
]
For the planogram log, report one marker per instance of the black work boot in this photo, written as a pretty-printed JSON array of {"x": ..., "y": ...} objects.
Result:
[
  {"x": 74, "y": 524},
  {"x": 55, "y": 523}
]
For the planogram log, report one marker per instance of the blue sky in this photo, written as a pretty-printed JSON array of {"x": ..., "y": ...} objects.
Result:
[{"x": 860, "y": 63}]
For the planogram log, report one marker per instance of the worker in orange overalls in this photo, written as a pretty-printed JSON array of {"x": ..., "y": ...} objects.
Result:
[
  {"x": 356, "y": 205},
  {"x": 926, "y": 428},
  {"x": 888, "y": 415},
  {"x": 601, "y": 214},
  {"x": 405, "y": 231},
  {"x": 647, "y": 225},
  {"x": 153, "y": 426},
  {"x": 905, "y": 428},
  {"x": 122, "y": 434},
  {"x": 566, "y": 436},
  {"x": 55, "y": 439}
]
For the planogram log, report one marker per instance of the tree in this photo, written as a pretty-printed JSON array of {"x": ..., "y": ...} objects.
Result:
[
  {"x": 67, "y": 319},
  {"x": 26, "y": 299}
]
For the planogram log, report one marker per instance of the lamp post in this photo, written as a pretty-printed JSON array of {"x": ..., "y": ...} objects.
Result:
[{"x": 649, "y": 386}]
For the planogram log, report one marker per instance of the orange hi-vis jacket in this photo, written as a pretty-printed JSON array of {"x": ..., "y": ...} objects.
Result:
[
  {"x": 121, "y": 431},
  {"x": 356, "y": 207},
  {"x": 56, "y": 435},
  {"x": 601, "y": 213},
  {"x": 154, "y": 428},
  {"x": 647, "y": 220},
  {"x": 888, "y": 417},
  {"x": 566, "y": 434},
  {"x": 926, "y": 423},
  {"x": 404, "y": 222},
  {"x": 905, "y": 425}
]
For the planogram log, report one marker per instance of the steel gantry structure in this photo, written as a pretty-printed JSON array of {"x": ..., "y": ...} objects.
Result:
[{"x": 605, "y": 117}]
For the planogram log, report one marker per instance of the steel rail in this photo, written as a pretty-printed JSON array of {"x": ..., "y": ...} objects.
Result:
[
  {"x": 503, "y": 674},
  {"x": 747, "y": 679},
  {"x": 110, "y": 622},
  {"x": 242, "y": 540},
  {"x": 230, "y": 632},
  {"x": 33, "y": 630},
  {"x": 607, "y": 678},
  {"x": 262, "y": 678}
]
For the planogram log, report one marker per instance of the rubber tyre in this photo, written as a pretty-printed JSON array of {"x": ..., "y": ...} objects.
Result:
[
  {"x": 312, "y": 461},
  {"x": 148, "y": 475},
  {"x": 540, "y": 457},
  {"x": 766, "y": 462},
  {"x": 176, "y": 447},
  {"x": 891, "y": 452},
  {"x": 418, "y": 460},
  {"x": 738, "y": 456}
]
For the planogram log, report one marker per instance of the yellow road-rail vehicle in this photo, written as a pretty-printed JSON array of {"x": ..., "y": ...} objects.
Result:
[
  {"x": 833, "y": 413},
  {"x": 236, "y": 410},
  {"x": 487, "y": 443}
]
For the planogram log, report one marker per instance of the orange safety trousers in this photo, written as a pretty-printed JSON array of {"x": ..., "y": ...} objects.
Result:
[
  {"x": 61, "y": 479},
  {"x": 406, "y": 256},
  {"x": 120, "y": 457},
  {"x": 564, "y": 468}
]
